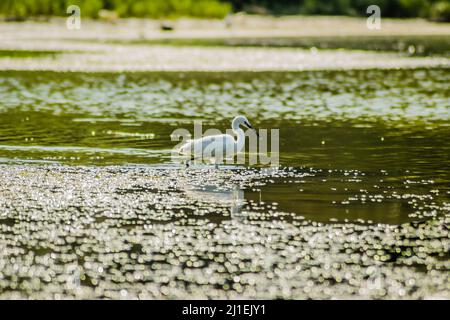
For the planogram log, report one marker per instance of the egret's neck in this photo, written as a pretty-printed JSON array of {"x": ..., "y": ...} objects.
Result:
[
  {"x": 240, "y": 142},
  {"x": 235, "y": 124}
]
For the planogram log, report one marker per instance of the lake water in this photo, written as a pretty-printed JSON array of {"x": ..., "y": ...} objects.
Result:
[
  {"x": 358, "y": 149},
  {"x": 361, "y": 130}
]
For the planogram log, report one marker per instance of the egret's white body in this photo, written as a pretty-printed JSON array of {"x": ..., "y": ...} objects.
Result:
[{"x": 217, "y": 147}]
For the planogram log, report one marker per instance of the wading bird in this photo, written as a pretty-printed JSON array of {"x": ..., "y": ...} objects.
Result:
[{"x": 217, "y": 147}]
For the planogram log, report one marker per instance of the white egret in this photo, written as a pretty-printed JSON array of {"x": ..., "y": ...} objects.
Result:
[{"x": 217, "y": 147}]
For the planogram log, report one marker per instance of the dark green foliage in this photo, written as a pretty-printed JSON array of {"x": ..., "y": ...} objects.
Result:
[
  {"x": 438, "y": 10},
  {"x": 434, "y": 9},
  {"x": 125, "y": 8}
]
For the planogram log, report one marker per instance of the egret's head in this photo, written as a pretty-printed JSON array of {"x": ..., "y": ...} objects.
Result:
[{"x": 241, "y": 120}]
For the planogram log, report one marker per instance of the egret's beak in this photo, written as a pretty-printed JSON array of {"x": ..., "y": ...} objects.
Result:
[
  {"x": 248, "y": 125},
  {"x": 256, "y": 131}
]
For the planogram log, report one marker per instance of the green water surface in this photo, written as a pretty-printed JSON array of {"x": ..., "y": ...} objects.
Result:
[{"x": 363, "y": 132}]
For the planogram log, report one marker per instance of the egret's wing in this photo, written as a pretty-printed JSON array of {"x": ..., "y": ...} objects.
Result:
[
  {"x": 210, "y": 146},
  {"x": 195, "y": 147},
  {"x": 206, "y": 145},
  {"x": 220, "y": 146},
  {"x": 186, "y": 147}
]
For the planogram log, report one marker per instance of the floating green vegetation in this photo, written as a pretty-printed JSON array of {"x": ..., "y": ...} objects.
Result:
[
  {"x": 4, "y": 53},
  {"x": 410, "y": 45}
]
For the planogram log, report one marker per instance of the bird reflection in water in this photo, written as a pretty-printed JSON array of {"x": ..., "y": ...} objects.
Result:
[{"x": 225, "y": 197}]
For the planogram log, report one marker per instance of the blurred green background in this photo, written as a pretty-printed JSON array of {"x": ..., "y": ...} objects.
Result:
[{"x": 436, "y": 10}]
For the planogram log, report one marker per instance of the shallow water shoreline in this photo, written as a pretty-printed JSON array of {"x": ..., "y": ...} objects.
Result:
[{"x": 252, "y": 44}]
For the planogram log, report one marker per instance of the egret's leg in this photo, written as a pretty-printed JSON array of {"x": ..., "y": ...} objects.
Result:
[
  {"x": 216, "y": 162},
  {"x": 186, "y": 163},
  {"x": 189, "y": 160}
]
